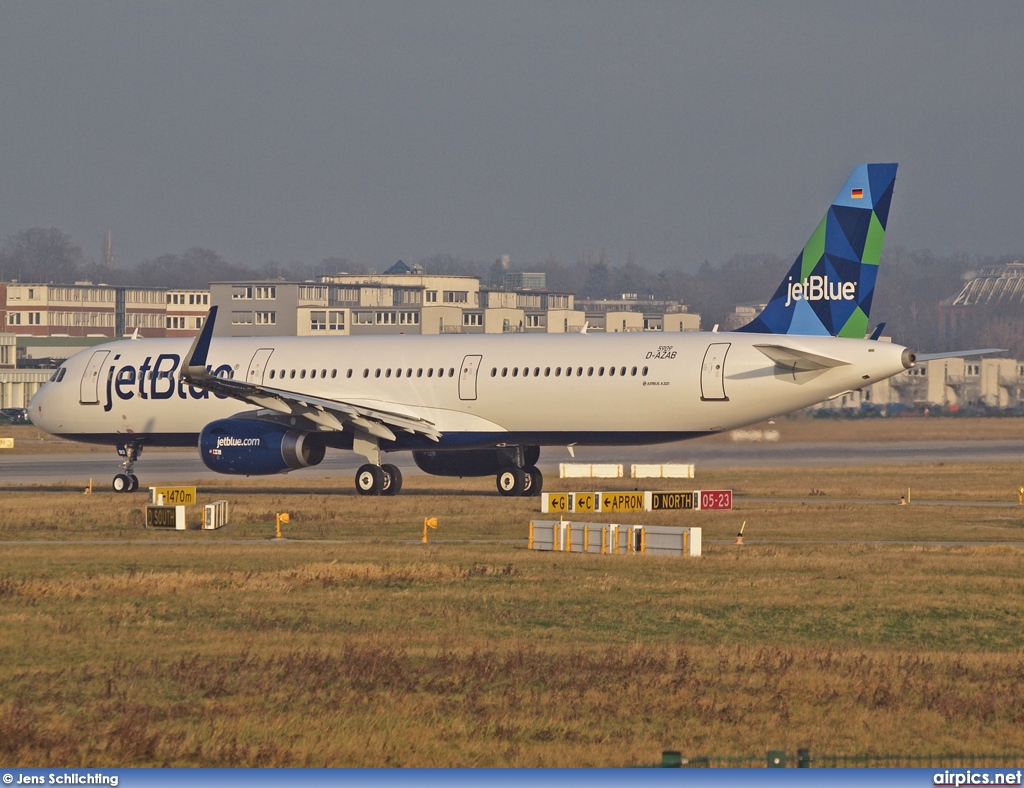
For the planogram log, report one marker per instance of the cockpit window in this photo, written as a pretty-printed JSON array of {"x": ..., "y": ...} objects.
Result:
[{"x": 58, "y": 376}]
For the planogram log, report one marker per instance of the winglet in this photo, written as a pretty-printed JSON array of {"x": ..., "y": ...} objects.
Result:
[
  {"x": 195, "y": 361},
  {"x": 878, "y": 331}
]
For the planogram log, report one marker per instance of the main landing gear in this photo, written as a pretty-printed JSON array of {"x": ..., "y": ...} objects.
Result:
[
  {"x": 378, "y": 480},
  {"x": 525, "y": 482},
  {"x": 127, "y": 482},
  {"x": 374, "y": 478},
  {"x": 518, "y": 476}
]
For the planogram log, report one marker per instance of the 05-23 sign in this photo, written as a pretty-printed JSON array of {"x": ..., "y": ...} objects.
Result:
[{"x": 716, "y": 499}]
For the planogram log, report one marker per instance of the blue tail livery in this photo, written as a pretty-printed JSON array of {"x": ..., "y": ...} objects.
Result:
[{"x": 828, "y": 290}]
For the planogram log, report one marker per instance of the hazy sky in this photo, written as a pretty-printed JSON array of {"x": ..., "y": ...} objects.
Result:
[{"x": 378, "y": 131}]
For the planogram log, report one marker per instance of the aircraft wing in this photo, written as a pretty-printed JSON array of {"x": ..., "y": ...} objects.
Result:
[{"x": 330, "y": 414}]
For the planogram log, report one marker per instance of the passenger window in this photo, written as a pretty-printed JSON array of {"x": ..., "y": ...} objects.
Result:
[
  {"x": 334, "y": 374},
  {"x": 451, "y": 372},
  {"x": 366, "y": 373},
  {"x": 271, "y": 374},
  {"x": 611, "y": 371},
  {"x": 291, "y": 374},
  {"x": 644, "y": 372},
  {"x": 302, "y": 373},
  {"x": 515, "y": 372},
  {"x": 547, "y": 372},
  {"x": 600, "y": 372},
  {"x": 558, "y": 371},
  {"x": 398, "y": 373},
  {"x": 494, "y": 372},
  {"x": 408, "y": 372},
  {"x": 622, "y": 371},
  {"x": 376, "y": 374},
  {"x": 419, "y": 372},
  {"x": 568, "y": 372},
  {"x": 349, "y": 374},
  {"x": 633, "y": 372},
  {"x": 526, "y": 372},
  {"x": 590, "y": 372},
  {"x": 387, "y": 372},
  {"x": 430, "y": 372},
  {"x": 536, "y": 372},
  {"x": 579, "y": 371},
  {"x": 323, "y": 373},
  {"x": 440, "y": 372},
  {"x": 504, "y": 372}
]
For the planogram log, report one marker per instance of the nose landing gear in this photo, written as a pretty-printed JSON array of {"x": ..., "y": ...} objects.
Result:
[{"x": 127, "y": 482}]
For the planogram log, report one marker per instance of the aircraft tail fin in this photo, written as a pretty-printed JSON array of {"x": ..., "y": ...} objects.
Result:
[{"x": 828, "y": 290}]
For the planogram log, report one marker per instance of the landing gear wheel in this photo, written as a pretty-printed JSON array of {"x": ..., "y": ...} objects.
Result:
[
  {"x": 536, "y": 479},
  {"x": 511, "y": 482},
  {"x": 127, "y": 481},
  {"x": 369, "y": 480},
  {"x": 392, "y": 480}
]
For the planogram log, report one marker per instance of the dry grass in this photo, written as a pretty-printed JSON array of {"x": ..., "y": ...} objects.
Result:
[
  {"x": 363, "y": 647},
  {"x": 856, "y": 504}
]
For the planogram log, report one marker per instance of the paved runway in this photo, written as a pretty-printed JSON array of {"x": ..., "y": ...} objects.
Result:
[{"x": 76, "y": 468}]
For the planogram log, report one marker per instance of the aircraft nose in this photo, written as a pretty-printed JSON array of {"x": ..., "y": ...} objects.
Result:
[{"x": 39, "y": 410}]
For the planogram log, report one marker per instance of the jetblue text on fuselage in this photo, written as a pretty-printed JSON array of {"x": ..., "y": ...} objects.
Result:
[
  {"x": 819, "y": 288},
  {"x": 155, "y": 380}
]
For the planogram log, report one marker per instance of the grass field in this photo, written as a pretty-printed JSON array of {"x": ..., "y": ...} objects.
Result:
[{"x": 354, "y": 644}]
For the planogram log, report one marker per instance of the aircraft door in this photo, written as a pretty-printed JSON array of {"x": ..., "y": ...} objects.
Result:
[
  {"x": 258, "y": 365},
  {"x": 712, "y": 372},
  {"x": 90, "y": 390},
  {"x": 467, "y": 380}
]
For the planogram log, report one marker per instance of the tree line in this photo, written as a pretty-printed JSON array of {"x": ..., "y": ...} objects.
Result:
[{"x": 910, "y": 287}]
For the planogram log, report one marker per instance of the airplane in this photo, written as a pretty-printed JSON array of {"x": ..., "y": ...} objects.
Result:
[{"x": 484, "y": 405}]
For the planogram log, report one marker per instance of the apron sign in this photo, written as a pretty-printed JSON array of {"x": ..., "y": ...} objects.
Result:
[{"x": 576, "y": 502}]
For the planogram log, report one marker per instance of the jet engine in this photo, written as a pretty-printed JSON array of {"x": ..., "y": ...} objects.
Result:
[{"x": 251, "y": 447}]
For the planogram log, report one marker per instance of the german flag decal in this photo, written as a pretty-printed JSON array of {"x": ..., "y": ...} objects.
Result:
[{"x": 857, "y": 194}]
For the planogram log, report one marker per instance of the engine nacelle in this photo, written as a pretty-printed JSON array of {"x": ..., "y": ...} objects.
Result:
[
  {"x": 250, "y": 447},
  {"x": 469, "y": 462}
]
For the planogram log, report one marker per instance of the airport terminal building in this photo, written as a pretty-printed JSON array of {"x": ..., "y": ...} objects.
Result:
[{"x": 419, "y": 303}]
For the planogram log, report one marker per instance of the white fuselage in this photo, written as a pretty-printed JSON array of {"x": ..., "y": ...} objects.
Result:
[{"x": 480, "y": 390}]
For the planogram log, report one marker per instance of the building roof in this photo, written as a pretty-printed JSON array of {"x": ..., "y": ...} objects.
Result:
[{"x": 998, "y": 284}]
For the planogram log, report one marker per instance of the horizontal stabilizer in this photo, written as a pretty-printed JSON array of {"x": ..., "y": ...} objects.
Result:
[
  {"x": 957, "y": 353},
  {"x": 794, "y": 360}
]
